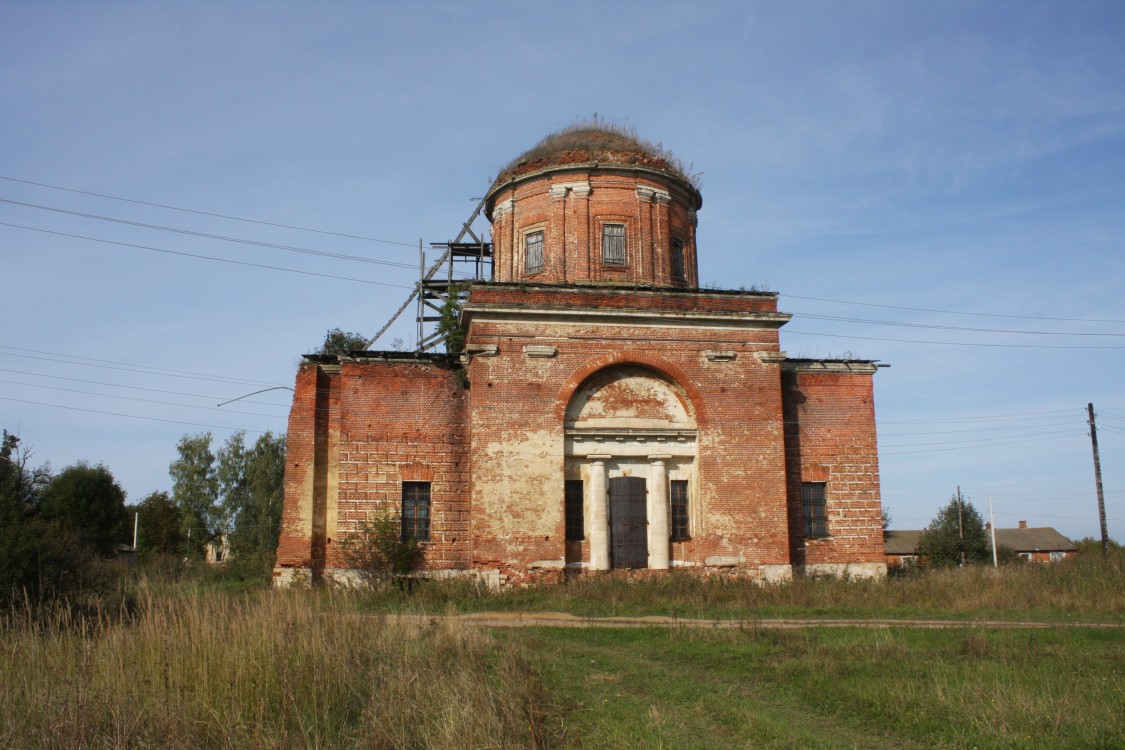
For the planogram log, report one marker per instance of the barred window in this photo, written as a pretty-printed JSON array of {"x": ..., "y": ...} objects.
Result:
[
  {"x": 613, "y": 244},
  {"x": 533, "y": 251},
  {"x": 812, "y": 501},
  {"x": 679, "y": 489},
  {"x": 416, "y": 511},
  {"x": 678, "y": 259},
  {"x": 574, "y": 524}
]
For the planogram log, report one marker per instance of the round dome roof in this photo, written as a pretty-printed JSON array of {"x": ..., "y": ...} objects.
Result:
[{"x": 599, "y": 143}]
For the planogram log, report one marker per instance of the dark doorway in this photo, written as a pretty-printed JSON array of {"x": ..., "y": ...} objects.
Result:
[{"x": 628, "y": 522}]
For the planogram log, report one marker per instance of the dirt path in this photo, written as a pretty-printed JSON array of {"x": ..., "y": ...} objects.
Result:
[{"x": 565, "y": 620}]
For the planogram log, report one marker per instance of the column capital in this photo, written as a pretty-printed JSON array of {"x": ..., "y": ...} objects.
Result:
[
  {"x": 660, "y": 458},
  {"x": 599, "y": 458}
]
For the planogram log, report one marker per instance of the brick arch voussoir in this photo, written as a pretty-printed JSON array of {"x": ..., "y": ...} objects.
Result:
[{"x": 630, "y": 357}]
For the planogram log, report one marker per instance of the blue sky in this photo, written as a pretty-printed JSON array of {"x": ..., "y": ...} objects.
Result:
[{"x": 935, "y": 185}]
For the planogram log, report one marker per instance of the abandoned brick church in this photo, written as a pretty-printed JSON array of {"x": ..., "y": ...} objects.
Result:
[{"x": 615, "y": 414}]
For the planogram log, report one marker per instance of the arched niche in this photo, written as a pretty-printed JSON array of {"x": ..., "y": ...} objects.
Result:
[{"x": 631, "y": 398}]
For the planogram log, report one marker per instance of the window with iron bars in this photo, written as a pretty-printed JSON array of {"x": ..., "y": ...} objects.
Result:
[
  {"x": 575, "y": 530},
  {"x": 679, "y": 496},
  {"x": 613, "y": 244},
  {"x": 813, "y": 505},
  {"x": 678, "y": 273},
  {"x": 533, "y": 252},
  {"x": 416, "y": 511}
]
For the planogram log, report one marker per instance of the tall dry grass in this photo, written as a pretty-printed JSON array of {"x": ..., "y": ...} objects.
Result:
[
  {"x": 267, "y": 670},
  {"x": 1083, "y": 588}
]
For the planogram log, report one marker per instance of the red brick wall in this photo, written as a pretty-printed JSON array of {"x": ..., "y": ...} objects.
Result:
[
  {"x": 572, "y": 221},
  {"x": 370, "y": 426},
  {"x": 830, "y": 437},
  {"x": 405, "y": 421},
  {"x": 315, "y": 408},
  {"x": 518, "y": 439},
  {"x": 359, "y": 429}
]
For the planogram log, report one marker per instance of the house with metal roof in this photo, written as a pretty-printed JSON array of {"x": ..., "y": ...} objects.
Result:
[{"x": 1041, "y": 544}]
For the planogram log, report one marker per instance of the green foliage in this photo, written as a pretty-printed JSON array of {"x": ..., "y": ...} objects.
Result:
[
  {"x": 338, "y": 341},
  {"x": 449, "y": 319},
  {"x": 956, "y": 534},
  {"x": 252, "y": 485},
  {"x": 195, "y": 490},
  {"x": 20, "y": 484},
  {"x": 42, "y": 554},
  {"x": 377, "y": 551},
  {"x": 160, "y": 527},
  {"x": 237, "y": 492},
  {"x": 88, "y": 501}
]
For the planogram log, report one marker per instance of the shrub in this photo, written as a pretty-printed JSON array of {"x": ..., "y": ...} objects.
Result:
[{"x": 380, "y": 555}]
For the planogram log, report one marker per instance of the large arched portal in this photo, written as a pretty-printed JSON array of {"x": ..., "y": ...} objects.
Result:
[{"x": 630, "y": 468}]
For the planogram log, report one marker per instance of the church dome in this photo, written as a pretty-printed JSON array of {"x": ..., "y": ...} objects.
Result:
[
  {"x": 593, "y": 144},
  {"x": 593, "y": 203}
]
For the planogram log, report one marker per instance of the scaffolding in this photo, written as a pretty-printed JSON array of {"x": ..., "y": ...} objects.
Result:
[{"x": 465, "y": 259}]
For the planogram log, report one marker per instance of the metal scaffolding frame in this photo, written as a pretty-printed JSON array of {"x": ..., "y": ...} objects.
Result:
[{"x": 463, "y": 261}]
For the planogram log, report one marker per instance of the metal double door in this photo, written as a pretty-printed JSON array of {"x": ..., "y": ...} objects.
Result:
[{"x": 628, "y": 522}]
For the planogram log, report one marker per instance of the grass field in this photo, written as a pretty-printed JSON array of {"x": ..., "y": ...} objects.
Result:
[
  {"x": 829, "y": 688},
  {"x": 1087, "y": 589},
  {"x": 184, "y": 665}
]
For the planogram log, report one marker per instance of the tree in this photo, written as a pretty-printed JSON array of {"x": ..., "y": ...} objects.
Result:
[
  {"x": 160, "y": 526},
  {"x": 956, "y": 535},
  {"x": 337, "y": 341},
  {"x": 89, "y": 501},
  {"x": 251, "y": 483},
  {"x": 195, "y": 489},
  {"x": 42, "y": 554},
  {"x": 19, "y": 483},
  {"x": 449, "y": 319}
]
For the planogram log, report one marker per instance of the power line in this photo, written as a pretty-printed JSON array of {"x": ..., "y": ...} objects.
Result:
[
  {"x": 993, "y": 439},
  {"x": 961, "y": 448},
  {"x": 952, "y": 328},
  {"x": 135, "y": 387},
  {"x": 127, "y": 366},
  {"x": 134, "y": 416},
  {"x": 224, "y": 238},
  {"x": 950, "y": 343},
  {"x": 207, "y": 257},
  {"x": 1020, "y": 416},
  {"x": 953, "y": 312},
  {"x": 142, "y": 400},
  {"x": 208, "y": 213},
  {"x": 971, "y": 429}
]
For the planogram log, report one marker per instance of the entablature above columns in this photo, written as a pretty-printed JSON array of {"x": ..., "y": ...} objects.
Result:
[{"x": 486, "y": 312}]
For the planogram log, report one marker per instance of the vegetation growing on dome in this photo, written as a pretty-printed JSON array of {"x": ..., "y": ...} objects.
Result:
[{"x": 597, "y": 141}]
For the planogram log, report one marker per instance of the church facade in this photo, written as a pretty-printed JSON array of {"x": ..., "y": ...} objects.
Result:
[{"x": 605, "y": 413}]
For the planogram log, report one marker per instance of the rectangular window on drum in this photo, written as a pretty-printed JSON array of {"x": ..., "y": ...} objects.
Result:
[
  {"x": 678, "y": 260},
  {"x": 613, "y": 244},
  {"x": 533, "y": 252}
]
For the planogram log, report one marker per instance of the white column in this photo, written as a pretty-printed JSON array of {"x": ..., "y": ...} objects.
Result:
[
  {"x": 598, "y": 497},
  {"x": 659, "y": 540}
]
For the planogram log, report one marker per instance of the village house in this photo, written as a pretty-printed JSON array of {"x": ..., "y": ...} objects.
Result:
[
  {"x": 1043, "y": 544},
  {"x": 605, "y": 412}
]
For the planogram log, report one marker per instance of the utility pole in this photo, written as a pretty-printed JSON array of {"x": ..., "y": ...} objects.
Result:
[
  {"x": 961, "y": 523},
  {"x": 1098, "y": 479},
  {"x": 992, "y": 525},
  {"x": 136, "y": 525}
]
